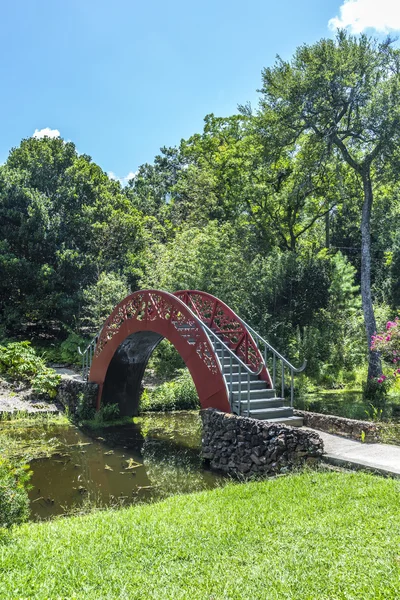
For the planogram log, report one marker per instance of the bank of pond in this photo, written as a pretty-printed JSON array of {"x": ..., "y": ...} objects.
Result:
[
  {"x": 77, "y": 469},
  {"x": 135, "y": 528}
]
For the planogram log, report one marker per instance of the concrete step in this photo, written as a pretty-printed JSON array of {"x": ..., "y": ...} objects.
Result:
[
  {"x": 183, "y": 326},
  {"x": 265, "y": 394},
  {"x": 272, "y": 402},
  {"x": 226, "y": 367},
  {"x": 236, "y": 378},
  {"x": 266, "y": 414},
  {"x": 255, "y": 384}
]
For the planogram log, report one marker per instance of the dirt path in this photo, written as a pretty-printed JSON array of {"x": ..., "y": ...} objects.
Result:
[{"x": 18, "y": 398}]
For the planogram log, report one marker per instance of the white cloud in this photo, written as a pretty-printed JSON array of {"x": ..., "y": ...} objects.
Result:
[
  {"x": 359, "y": 15},
  {"x": 46, "y": 132},
  {"x": 131, "y": 175},
  {"x": 122, "y": 180}
]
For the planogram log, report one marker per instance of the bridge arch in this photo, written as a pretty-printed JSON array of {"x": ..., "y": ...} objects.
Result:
[{"x": 131, "y": 333}]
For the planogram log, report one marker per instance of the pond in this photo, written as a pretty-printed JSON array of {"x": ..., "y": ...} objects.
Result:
[
  {"x": 156, "y": 456},
  {"x": 351, "y": 405}
]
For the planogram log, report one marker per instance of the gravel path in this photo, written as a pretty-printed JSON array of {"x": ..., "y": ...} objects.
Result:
[{"x": 17, "y": 398}]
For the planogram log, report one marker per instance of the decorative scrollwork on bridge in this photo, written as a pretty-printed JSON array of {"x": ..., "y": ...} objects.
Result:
[
  {"x": 221, "y": 319},
  {"x": 149, "y": 306}
]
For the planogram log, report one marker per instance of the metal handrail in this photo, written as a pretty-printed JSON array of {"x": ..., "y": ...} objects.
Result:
[
  {"x": 277, "y": 354},
  {"x": 87, "y": 355},
  {"x": 232, "y": 357}
]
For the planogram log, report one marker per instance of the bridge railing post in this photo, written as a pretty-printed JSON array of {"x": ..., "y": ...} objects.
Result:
[{"x": 291, "y": 387}]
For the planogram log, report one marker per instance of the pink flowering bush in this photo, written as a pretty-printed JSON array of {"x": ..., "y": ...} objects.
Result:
[{"x": 388, "y": 346}]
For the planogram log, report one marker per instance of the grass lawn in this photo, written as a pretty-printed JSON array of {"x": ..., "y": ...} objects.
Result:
[{"x": 310, "y": 535}]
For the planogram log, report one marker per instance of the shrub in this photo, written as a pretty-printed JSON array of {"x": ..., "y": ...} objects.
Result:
[
  {"x": 19, "y": 362},
  {"x": 84, "y": 411},
  {"x": 45, "y": 382},
  {"x": 388, "y": 345},
  {"x": 107, "y": 412},
  {"x": 178, "y": 394},
  {"x": 166, "y": 361},
  {"x": 14, "y": 502},
  {"x": 69, "y": 349}
]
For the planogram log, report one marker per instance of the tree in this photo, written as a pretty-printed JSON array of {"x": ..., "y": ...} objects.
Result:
[
  {"x": 150, "y": 189},
  {"x": 346, "y": 93},
  {"x": 234, "y": 174},
  {"x": 63, "y": 222},
  {"x": 100, "y": 299}
]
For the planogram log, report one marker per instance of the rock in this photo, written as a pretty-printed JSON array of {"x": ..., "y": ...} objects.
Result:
[{"x": 243, "y": 446}]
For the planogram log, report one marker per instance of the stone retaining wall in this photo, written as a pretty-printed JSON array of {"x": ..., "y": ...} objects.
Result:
[
  {"x": 74, "y": 393},
  {"x": 341, "y": 426},
  {"x": 241, "y": 446}
]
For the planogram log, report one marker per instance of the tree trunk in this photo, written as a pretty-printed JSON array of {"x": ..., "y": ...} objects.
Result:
[
  {"x": 327, "y": 230},
  {"x": 374, "y": 363}
]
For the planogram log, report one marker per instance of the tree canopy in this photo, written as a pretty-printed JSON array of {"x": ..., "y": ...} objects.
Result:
[{"x": 286, "y": 212}]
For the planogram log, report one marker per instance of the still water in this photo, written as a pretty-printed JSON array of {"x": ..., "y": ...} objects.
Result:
[{"x": 155, "y": 457}]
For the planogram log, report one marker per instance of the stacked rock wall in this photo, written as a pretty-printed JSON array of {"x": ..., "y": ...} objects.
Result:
[
  {"x": 241, "y": 446},
  {"x": 74, "y": 393},
  {"x": 341, "y": 426}
]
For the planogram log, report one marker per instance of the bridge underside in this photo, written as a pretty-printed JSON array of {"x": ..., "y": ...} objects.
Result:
[{"x": 124, "y": 376}]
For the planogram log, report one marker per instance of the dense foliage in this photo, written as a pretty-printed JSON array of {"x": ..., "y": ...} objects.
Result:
[
  {"x": 14, "y": 503},
  {"x": 262, "y": 208},
  {"x": 20, "y": 363},
  {"x": 178, "y": 394},
  {"x": 387, "y": 344}
]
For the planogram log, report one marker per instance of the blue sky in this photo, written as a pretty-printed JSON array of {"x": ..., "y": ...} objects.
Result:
[{"x": 121, "y": 79}]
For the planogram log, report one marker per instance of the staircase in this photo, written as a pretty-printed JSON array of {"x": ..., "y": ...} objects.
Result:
[
  {"x": 246, "y": 360},
  {"x": 250, "y": 396}
]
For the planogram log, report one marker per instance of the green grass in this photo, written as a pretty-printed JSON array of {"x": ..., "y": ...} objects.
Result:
[{"x": 306, "y": 536}]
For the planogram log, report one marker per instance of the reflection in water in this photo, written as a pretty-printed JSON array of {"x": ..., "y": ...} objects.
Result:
[{"x": 157, "y": 456}]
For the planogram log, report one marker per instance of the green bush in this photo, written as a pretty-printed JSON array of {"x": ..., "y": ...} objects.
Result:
[
  {"x": 69, "y": 352},
  {"x": 178, "y": 394},
  {"x": 84, "y": 411},
  {"x": 166, "y": 361},
  {"x": 19, "y": 362},
  {"x": 107, "y": 412},
  {"x": 14, "y": 502},
  {"x": 45, "y": 382}
]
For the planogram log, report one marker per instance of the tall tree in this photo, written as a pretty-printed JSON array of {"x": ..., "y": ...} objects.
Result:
[
  {"x": 346, "y": 93},
  {"x": 63, "y": 223}
]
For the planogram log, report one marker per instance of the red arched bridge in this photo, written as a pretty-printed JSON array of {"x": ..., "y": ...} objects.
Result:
[{"x": 233, "y": 368}]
